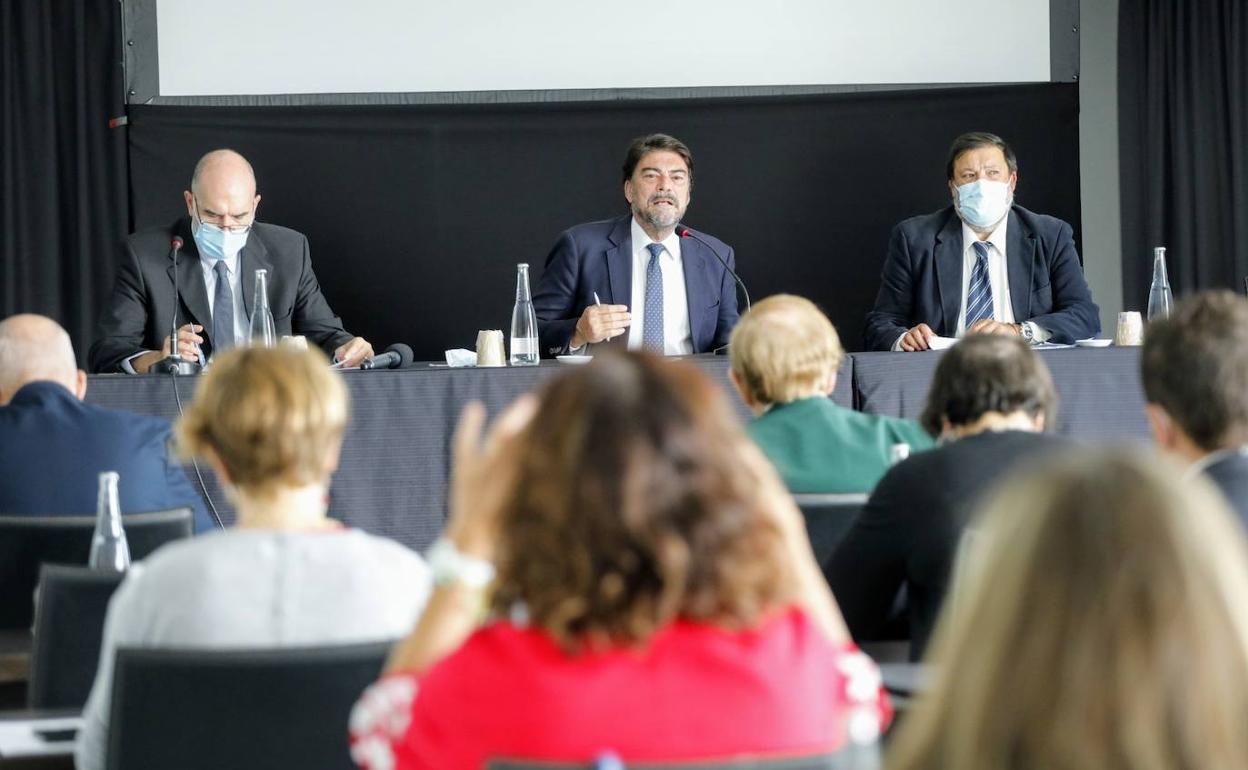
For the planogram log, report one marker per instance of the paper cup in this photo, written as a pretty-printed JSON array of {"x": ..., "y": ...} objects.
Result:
[
  {"x": 490, "y": 348},
  {"x": 1130, "y": 329}
]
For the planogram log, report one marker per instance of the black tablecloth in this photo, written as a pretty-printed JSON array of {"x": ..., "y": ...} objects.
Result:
[{"x": 392, "y": 474}]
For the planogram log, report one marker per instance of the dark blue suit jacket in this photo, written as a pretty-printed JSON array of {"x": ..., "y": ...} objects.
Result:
[
  {"x": 1230, "y": 475},
  {"x": 922, "y": 278},
  {"x": 53, "y": 448},
  {"x": 598, "y": 257}
]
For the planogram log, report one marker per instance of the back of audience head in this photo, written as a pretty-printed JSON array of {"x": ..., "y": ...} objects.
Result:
[
  {"x": 34, "y": 348},
  {"x": 1104, "y": 627},
  {"x": 268, "y": 418},
  {"x": 631, "y": 508},
  {"x": 783, "y": 350},
  {"x": 1194, "y": 367},
  {"x": 989, "y": 378}
]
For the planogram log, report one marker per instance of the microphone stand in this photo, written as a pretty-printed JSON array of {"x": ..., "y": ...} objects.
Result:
[{"x": 173, "y": 363}]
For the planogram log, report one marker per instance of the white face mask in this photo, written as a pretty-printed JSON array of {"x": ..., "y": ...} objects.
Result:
[{"x": 983, "y": 203}]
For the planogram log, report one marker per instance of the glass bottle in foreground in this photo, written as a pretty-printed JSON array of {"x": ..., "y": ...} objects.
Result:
[
  {"x": 1160, "y": 299},
  {"x": 523, "y": 322},
  {"x": 263, "y": 333},
  {"x": 109, "y": 550}
]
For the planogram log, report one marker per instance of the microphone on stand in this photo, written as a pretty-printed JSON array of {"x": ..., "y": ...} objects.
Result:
[
  {"x": 397, "y": 356},
  {"x": 685, "y": 232},
  {"x": 174, "y": 363}
]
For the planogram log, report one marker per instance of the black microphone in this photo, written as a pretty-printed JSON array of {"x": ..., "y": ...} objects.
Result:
[
  {"x": 397, "y": 356},
  {"x": 685, "y": 232},
  {"x": 174, "y": 363}
]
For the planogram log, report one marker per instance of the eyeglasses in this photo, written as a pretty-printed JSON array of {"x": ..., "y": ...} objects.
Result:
[{"x": 218, "y": 221}]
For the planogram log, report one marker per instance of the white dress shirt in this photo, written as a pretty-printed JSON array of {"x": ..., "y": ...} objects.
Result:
[{"x": 677, "y": 336}]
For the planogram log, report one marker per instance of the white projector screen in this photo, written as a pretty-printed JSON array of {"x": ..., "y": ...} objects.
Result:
[{"x": 384, "y": 46}]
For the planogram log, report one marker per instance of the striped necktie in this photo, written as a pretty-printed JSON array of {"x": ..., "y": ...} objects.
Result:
[
  {"x": 652, "y": 332},
  {"x": 979, "y": 293}
]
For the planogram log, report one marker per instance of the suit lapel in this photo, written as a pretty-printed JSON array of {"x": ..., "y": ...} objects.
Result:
[
  {"x": 191, "y": 290},
  {"x": 695, "y": 261},
  {"x": 620, "y": 263},
  {"x": 253, "y": 257},
  {"x": 1019, "y": 258},
  {"x": 947, "y": 257}
]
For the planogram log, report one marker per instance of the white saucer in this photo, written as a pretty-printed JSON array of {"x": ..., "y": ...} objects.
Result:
[
  {"x": 574, "y": 359},
  {"x": 1093, "y": 343}
]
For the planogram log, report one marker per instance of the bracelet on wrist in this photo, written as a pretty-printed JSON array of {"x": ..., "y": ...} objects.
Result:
[{"x": 450, "y": 566}]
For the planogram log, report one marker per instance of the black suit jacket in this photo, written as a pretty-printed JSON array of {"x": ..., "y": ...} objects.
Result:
[
  {"x": 1229, "y": 474},
  {"x": 922, "y": 278},
  {"x": 137, "y": 316},
  {"x": 53, "y": 448},
  {"x": 598, "y": 257},
  {"x": 908, "y": 532}
]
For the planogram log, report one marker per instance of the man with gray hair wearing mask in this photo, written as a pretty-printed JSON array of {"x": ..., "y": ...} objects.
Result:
[
  {"x": 981, "y": 264},
  {"x": 222, "y": 247},
  {"x": 53, "y": 445}
]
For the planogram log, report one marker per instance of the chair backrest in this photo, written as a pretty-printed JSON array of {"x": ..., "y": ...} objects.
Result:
[
  {"x": 850, "y": 758},
  {"x": 828, "y": 518},
  {"x": 237, "y": 709},
  {"x": 69, "y": 622},
  {"x": 26, "y": 542}
]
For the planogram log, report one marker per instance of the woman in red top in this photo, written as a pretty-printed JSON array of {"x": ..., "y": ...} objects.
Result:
[{"x": 655, "y": 598}]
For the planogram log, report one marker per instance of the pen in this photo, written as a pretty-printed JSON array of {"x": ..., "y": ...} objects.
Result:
[{"x": 599, "y": 302}]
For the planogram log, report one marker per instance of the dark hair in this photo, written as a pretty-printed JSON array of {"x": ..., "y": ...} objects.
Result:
[
  {"x": 1195, "y": 366},
  {"x": 632, "y": 507},
  {"x": 644, "y": 144},
  {"x": 973, "y": 140},
  {"x": 988, "y": 373}
]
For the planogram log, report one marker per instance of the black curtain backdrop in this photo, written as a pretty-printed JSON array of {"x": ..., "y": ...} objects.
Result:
[
  {"x": 63, "y": 199},
  {"x": 417, "y": 215},
  {"x": 1183, "y": 125}
]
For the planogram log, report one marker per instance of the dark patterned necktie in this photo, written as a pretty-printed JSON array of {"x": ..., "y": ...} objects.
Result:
[
  {"x": 652, "y": 335},
  {"x": 979, "y": 293},
  {"x": 222, "y": 310}
]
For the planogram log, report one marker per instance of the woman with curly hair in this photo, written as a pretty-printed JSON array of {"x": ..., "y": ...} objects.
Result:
[{"x": 654, "y": 594}]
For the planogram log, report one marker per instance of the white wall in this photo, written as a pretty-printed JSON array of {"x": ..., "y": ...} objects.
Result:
[
  {"x": 1098, "y": 159},
  {"x": 325, "y": 46}
]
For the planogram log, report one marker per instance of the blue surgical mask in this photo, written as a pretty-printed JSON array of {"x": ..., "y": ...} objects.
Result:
[
  {"x": 983, "y": 203},
  {"x": 215, "y": 243}
]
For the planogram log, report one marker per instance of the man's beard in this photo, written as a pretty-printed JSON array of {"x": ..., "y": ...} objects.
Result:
[{"x": 659, "y": 218}]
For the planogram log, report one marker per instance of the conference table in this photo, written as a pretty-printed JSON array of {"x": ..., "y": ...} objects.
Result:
[{"x": 393, "y": 470}]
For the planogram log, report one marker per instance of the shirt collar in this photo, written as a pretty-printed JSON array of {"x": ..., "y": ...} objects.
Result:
[
  {"x": 231, "y": 264},
  {"x": 671, "y": 243},
  {"x": 1213, "y": 458},
  {"x": 996, "y": 238}
]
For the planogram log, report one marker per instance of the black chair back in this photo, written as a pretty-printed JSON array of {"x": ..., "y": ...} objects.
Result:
[
  {"x": 69, "y": 622},
  {"x": 850, "y": 758},
  {"x": 237, "y": 709},
  {"x": 26, "y": 542},
  {"x": 828, "y": 518}
]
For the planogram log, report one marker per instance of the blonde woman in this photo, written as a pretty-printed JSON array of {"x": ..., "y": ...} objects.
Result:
[
  {"x": 270, "y": 422},
  {"x": 1103, "y": 627}
]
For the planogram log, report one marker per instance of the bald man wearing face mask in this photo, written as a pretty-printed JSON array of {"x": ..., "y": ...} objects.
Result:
[
  {"x": 223, "y": 246},
  {"x": 982, "y": 264}
]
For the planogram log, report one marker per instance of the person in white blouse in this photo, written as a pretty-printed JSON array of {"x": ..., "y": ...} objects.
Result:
[{"x": 270, "y": 422}]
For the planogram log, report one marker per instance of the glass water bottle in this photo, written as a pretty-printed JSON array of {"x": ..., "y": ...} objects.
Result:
[
  {"x": 523, "y": 322},
  {"x": 1160, "y": 299},
  {"x": 263, "y": 333},
  {"x": 109, "y": 550}
]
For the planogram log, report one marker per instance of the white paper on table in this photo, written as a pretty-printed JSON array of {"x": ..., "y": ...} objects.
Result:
[
  {"x": 936, "y": 342},
  {"x": 19, "y": 739}
]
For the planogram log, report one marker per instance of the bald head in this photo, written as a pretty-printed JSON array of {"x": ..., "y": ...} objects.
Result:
[
  {"x": 33, "y": 348},
  {"x": 223, "y": 189}
]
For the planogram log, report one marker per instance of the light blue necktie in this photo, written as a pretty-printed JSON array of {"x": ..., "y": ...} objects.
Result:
[
  {"x": 979, "y": 293},
  {"x": 222, "y": 310},
  {"x": 652, "y": 336}
]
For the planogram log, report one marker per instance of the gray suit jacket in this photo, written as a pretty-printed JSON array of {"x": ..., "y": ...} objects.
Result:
[{"x": 137, "y": 316}]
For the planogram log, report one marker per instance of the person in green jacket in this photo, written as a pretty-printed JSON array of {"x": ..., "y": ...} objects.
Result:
[{"x": 785, "y": 354}]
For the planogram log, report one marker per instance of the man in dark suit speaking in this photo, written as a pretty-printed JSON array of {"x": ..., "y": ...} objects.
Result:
[
  {"x": 53, "y": 446},
  {"x": 982, "y": 264},
  {"x": 223, "y": 246},
  {"x": 636, "y": 274}
]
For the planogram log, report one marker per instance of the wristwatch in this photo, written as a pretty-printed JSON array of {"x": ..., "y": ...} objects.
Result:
[{"x": 1028, "y": 333}]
